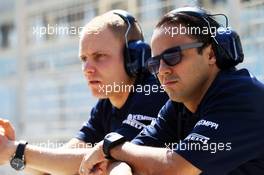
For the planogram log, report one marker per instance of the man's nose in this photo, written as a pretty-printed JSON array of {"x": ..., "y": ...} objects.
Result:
[
  {"x": 164, "y": 68},
  {"x": 87, "y": 67}
]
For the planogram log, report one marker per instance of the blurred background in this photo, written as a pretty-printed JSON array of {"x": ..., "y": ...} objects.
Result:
[{"x": 42, "y": 89}]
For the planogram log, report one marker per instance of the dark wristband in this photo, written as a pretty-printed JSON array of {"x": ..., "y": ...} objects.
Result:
[{"x": 112, "y": 140}]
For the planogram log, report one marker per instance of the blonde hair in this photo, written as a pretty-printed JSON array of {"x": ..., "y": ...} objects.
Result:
[{"x": 116, "y": 24}]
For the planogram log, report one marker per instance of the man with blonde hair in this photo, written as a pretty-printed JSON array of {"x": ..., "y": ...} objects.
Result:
[{"x": 113, "y": 54}]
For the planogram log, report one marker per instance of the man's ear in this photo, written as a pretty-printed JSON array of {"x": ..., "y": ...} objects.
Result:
[{"x": 211, "y": 55}]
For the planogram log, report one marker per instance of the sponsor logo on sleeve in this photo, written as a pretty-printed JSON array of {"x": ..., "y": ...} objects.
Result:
[
  {"x": 207, "y": 123},
  {"x": 197, "y": 137}
]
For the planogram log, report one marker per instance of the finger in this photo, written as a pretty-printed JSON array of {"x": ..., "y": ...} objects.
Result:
[
  {"x": 3, "y": 121},
  {"x": 89, "y": 167},
  {"x": 82, "y": 168},
  {"x": 95, "y": 171},
  {"x": 2, "y": 130},
  {"x": 103, "y": 166},
  {"x": 9, "y": 129},
  {"x": 99, "y": 172},
  {"x": 81, "y": 171}
]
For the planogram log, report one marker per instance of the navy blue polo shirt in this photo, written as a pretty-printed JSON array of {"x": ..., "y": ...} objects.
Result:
[
  {"x": 139, "y": 110},
  {"x": 228, "y": 135}
]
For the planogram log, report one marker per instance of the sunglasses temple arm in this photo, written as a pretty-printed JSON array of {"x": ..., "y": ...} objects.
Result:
[{"x": 156, "y": 77}]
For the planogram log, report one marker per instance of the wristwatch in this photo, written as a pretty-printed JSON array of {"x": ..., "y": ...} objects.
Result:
[
  {"x": 110, "y": 141},
  {"x": 18, "y": 160}
]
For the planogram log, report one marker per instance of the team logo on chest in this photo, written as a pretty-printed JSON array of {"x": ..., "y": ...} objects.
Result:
[{"x": 138, "y": 121}]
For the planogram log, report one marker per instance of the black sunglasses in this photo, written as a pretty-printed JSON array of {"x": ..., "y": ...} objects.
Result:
[{"x": 171, "y": 57}]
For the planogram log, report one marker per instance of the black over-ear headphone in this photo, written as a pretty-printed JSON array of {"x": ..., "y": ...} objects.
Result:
[
  {"x": 226, "y": 42},
  {"x": 136, "y": 52}
]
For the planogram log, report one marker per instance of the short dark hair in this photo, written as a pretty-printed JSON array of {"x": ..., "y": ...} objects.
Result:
[{"x": 188, "y": 20}]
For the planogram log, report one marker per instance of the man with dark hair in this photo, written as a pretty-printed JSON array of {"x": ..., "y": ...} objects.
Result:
[
  {"x": 127, "y": 111},
  {"x": 213, "y": 123}
]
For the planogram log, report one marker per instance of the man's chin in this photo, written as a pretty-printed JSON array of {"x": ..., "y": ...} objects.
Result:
[
  {"x": 174, "y": 97},
  {"x": 99, "y": 95}
]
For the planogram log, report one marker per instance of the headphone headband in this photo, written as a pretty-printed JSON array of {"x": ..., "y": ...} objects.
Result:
[
  {"x": 127, "y": 17},
  {"x": 129, "y": 20},
  {"x": 226, "y": 42},
  {"x": 193, "y": 11}
]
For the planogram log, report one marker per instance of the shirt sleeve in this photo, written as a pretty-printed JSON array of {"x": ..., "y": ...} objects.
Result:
[
  {"x": 224, "y": 138},
  {"x": 161, "y": 131},
  {"x": 92, "y": 131}
]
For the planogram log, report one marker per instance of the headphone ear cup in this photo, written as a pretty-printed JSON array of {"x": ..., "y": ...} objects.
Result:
[
  {"x": 135, "y": 57},
  {"x": 228, "y": 48},
  {"x": 222, "y": 58},
  {"x": 127, "y": 62}
]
